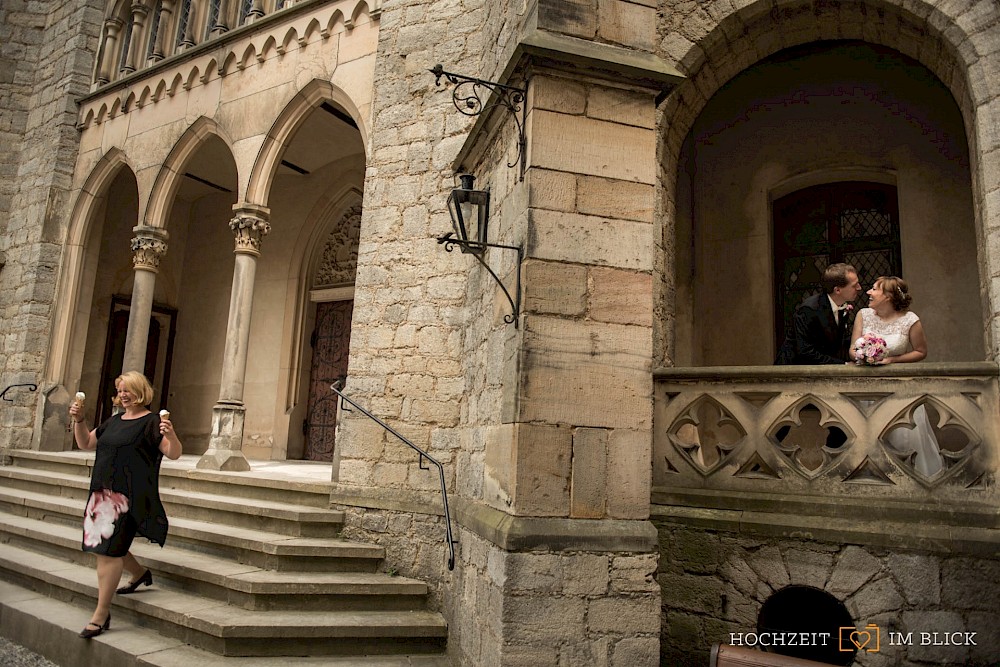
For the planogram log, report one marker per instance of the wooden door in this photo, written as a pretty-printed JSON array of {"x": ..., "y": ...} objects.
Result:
[
  {"x": 331, "y": 341},
  {"x": 159, "y": 354}
]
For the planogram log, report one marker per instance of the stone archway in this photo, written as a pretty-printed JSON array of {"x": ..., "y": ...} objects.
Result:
[
  {"x": 822, "y": 114},
  {"x": 713, "y": 43},
  {"x": 310, "y": 170}
]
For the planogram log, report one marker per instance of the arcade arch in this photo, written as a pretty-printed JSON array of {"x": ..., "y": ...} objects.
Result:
[
  {"x": 102, "y": 283},
  {"x": 310, "y": 174}
]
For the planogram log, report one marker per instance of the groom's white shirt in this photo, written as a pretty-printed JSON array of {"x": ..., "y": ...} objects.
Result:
[{"x": 836, "y": 309}]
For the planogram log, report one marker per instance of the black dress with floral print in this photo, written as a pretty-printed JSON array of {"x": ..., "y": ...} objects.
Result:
[{"x": 125, "y": 484}]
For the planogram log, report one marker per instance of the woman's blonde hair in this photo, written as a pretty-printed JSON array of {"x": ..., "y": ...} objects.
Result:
[{"x": 136, "y": 384}]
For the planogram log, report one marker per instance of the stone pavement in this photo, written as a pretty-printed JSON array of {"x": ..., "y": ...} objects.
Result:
[{"x": 15, "y": 655}]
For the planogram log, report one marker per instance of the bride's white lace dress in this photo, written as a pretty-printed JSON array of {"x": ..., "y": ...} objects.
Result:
[{"x": 920, "y": 439}]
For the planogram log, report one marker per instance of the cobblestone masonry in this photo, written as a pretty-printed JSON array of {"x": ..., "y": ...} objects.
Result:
[
  {"x": 44, "y": 64},
  {"x": 406, "y": 336},
  {"x": 715, "y": 583}
]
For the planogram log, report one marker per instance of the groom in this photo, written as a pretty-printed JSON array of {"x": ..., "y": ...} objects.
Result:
[{"x": 821, "y": 332}]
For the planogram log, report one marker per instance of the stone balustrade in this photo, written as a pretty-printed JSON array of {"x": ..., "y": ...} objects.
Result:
[{"x": 926, "y": 432}]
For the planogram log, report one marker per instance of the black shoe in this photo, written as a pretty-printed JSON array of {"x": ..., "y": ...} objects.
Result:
[
  {"x": 146, "y": 579},
  {"x": 93, "y": 629}
]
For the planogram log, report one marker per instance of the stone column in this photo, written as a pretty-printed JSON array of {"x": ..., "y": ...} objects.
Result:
[
  {"x": 163, "y": 25},
  {"x": 256, "y": 11},
  {"x": 250, "y": 225},
  {"x": 110, "y": 58},
  {"x": 139, "y": 12},
  {"x": 148, "y": 246}
]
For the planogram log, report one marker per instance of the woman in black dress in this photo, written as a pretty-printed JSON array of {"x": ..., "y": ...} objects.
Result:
[{"x": 124, "y": 489}]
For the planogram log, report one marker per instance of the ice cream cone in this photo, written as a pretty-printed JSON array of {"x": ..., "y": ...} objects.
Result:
[{"x": 78, "y": 400}]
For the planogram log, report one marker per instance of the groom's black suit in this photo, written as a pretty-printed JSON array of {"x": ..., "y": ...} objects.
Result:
[{"x": 816, "y": 337}]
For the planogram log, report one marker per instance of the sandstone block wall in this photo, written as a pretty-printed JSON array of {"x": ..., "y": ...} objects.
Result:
[{"x": 408, "y": 319}]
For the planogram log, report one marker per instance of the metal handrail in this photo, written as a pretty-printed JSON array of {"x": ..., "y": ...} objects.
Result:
[
  {"x": 3, "y": 394},
  {"x": 423, "y": 455}
]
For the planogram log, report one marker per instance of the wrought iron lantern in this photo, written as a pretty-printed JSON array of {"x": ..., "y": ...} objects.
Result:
[
  {"x": 470, "y": 208},
  {"x": 470, "y": 214}
]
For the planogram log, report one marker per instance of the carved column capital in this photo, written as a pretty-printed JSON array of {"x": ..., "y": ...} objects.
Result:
[
  {"x": 250, "y": 228},
  {"x": 148, "y": 246},
  {"x": 113, "y": 25}
]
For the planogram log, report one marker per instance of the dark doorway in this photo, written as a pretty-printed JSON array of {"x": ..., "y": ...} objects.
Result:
[
  {"x": 159, "y": 351},
  {"x": 331, "y": 342},
  {"x": 804, "y": 609},
  {"x": 852, "y": 221}
]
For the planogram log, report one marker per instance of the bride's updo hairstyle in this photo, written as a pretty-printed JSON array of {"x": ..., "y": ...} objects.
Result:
[{"x": 897, "y": 290}]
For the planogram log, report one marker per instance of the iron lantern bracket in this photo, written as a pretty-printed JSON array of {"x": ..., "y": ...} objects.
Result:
[
  {"x": 477, "y": 249},
  {"x": 473, "y": 97}
]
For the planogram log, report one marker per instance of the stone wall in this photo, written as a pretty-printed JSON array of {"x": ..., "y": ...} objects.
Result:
[
  {"x": 547, "y": 604},
  {"x": 45, "y": 62},
  {"x": 407, "y": 332},
  {"x": 557, "y": 608},
  {"x": 714, "y": 583}
]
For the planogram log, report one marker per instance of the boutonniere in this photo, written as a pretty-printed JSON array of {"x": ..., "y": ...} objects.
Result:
[{"x": 849, "y": 309}]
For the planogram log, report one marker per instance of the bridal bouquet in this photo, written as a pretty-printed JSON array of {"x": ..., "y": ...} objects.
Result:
[{"x": 869, "y": 349}]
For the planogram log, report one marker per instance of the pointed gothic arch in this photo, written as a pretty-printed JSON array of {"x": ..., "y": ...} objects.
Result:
[
  {"x": 309, "y": 246},
  {"x": 169, "y": 177},
  {"x": 85, "y": 209},
  {"x": 314, "y": 94}
]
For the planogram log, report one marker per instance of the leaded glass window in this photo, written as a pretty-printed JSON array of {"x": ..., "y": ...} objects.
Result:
[
  {"x": 213, "y": 17},
  {"x": 245, "y": 7},
  {"x": 154, "y": 29},
  {"x": 183, "y": 17},
  {"x": 853, "y": 222},
  {"x": 126, "y": 43}
]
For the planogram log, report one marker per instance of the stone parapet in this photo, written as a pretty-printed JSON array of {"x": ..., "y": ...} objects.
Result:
[{"x": 827, "y": 431}]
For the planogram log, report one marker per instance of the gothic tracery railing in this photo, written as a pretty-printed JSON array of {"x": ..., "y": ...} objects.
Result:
[{"x": 905, "y": 431}]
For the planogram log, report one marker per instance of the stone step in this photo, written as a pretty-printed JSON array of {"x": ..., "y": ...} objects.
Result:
[
  {"x": 49, "y": 627},
  {"x": 267, "y": 515},
  {"x": 264, "y": 550},
  {"x": 263, "y": 483},
  {"x": 68, "y": 463},
  {"x": 241, "y": 585},
  {"x": 252, "y": 568},
  {"x": 257, "y": 486},
  {"x": 47, "y": 482}
]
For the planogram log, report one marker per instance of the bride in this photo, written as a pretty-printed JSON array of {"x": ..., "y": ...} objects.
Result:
[{"x": 889, "y": 316}]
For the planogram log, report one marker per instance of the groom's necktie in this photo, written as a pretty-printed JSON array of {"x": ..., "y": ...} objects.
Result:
[{"x": 841, "y": 315}]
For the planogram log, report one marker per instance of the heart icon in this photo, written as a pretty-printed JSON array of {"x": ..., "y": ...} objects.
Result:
[{"x": 860, "y": 638}]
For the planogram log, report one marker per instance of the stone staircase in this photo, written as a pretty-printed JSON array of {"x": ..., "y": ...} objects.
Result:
[{"x": 253, "y": 573}]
